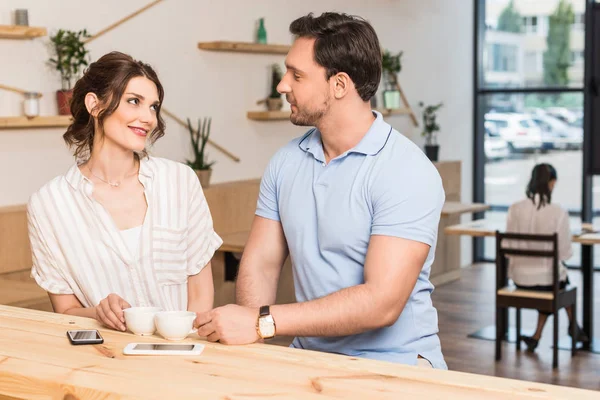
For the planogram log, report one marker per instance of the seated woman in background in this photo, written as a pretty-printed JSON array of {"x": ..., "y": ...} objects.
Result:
[
  {"x": 535, "y": 215},
  {"x": 120, "y": 228}
]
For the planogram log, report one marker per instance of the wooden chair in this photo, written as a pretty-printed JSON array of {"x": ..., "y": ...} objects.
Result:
[{"x": 509, "y": 296}]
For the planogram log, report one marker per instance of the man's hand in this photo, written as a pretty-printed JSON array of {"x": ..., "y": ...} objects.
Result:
[{"x": 230, "y": 324}]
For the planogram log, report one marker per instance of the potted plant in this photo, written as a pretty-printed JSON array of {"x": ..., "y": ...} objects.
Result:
[
  {"x": 69, "y": 57},
  {"x": 199, "y": 138},
  {"x": 430, "y": 127},
  {"x": 391, "y": 67},
  {"x": 274, "y": 101}
]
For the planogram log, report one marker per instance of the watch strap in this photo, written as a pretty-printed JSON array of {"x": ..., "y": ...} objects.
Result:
[{"x": 264, "y": 311}]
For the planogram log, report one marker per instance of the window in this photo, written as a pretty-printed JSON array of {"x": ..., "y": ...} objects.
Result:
[
  {"x": 577, "y": 57},
  {"x": 530, "y": 24},
  {"x": 503, "y": 58},
  {"x": 518, "y": 54},
  {"x": 529, "y": 107},
  {"x": 578, "y": 22}
]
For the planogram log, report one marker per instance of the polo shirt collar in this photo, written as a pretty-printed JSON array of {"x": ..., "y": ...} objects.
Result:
[{"x": 371, "y": 144}]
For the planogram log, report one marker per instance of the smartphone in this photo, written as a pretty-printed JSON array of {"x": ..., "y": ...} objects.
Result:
[
  {"x": 90, "y": 336},
  {"x": 171, "y": 349}
]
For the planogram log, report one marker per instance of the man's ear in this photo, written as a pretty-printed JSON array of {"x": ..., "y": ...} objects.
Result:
[
  {"x": 342, "y": 84},
  {"x": 91, "y": 104}
]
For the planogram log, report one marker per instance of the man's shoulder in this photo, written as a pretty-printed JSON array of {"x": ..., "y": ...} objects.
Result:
[{"x": 403, "y": 159}]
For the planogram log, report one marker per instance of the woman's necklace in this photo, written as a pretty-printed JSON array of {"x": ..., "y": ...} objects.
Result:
[{"x": 112, "y": 184}]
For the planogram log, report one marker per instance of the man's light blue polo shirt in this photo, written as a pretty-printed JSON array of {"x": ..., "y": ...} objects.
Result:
[{"x": 385, "y": 185}]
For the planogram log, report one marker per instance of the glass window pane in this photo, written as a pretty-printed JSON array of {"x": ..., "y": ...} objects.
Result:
[
  {"x": 533, "y": 43},
  {"x": 522, "y": 130}
]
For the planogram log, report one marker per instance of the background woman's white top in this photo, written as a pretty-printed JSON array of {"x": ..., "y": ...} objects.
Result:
[
  {"x": 77, "y": 248},
  {"x": 524, "y": 217}
]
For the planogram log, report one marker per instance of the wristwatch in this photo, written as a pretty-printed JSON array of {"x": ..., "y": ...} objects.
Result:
[{"x": 265, "y": 324}]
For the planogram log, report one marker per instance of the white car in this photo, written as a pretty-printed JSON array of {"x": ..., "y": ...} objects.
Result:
[
  {"x": 519, "y": 130},
  {"x": 562, "y": 113},
  {"x": 557, "y": 134},
  {"x": 495, "y": 147}
]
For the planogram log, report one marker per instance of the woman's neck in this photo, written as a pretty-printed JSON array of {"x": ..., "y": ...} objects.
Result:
[{"x": 112, "y": 164}]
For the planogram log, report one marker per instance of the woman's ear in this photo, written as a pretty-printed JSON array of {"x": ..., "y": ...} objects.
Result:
[{"x": 91, "y": 103}]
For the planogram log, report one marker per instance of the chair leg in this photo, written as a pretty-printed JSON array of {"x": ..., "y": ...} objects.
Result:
[
  {"x": 573, "y": 326},
  {"x": 499, "y": 333},
  {"x": 518, "y": 329},
  {"x": 555, "y": 341}
]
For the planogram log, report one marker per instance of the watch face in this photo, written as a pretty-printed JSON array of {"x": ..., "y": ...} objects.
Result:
[{"x": 266, "y": 327}]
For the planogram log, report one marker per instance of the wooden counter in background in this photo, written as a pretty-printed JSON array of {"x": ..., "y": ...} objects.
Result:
[{"x": 232, "y": 205}]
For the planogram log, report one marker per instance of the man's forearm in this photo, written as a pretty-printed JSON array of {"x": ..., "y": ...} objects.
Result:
[
  {"x": 349, "y": 311},
  {"x": 256, "y": 287}
]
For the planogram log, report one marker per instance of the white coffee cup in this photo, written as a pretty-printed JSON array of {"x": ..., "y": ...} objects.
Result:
[
  {"x": 174, "y": 325},
  {"x": 140, "y": 320}
]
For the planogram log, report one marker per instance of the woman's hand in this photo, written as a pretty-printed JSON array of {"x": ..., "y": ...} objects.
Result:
[{"x": 110, "y": 312}]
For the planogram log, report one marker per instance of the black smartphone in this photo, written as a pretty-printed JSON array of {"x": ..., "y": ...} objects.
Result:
[{"x": 90, "y": 336}]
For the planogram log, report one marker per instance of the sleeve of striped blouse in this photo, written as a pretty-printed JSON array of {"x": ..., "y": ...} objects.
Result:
[
  {"x": 202, "y": 239},
  {"x": 44, "y": 269}
]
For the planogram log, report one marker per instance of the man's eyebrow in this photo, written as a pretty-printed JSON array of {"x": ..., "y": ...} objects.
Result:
[{"x": 292, "y": 68}]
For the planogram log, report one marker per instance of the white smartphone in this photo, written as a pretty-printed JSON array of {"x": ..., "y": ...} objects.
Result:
[{"x": 167, "y": 349}]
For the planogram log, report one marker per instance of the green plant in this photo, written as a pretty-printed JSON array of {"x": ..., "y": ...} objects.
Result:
[
  {"x": 391, "y": 64},
  {"x": 199, "y": 139},
  {"x": 275, "y": 79},
  {"x": 430, "y": 125},
  {"x": 69, "y": 54}
]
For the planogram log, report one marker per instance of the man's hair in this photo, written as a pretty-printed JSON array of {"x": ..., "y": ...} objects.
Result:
[{"x": 344, "y": 43}]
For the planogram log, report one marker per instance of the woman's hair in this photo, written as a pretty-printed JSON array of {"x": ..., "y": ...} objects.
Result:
[
  {"x": 107, "y": 78},
  {"x": 541, "y": 176}
]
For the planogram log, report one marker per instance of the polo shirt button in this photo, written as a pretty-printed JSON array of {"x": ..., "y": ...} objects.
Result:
[{"x": 323, "y": 164}]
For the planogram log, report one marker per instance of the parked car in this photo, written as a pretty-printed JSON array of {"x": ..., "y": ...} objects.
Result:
[
  {"x": 495, "y": 147},
  {"x": 557, "y": 134},
  {"x": 519, "y": 130},
  {"x": 562, "y": 113}
]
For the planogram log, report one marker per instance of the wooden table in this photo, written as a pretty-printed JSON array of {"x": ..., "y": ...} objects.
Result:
[
  {"x": 234, "y": 242},
  {"x": 38, "y": 362},
  {"x": 488, "y": 228},
  {"x": 457, "y": 208}
]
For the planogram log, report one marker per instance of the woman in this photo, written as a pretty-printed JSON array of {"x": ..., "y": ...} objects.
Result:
[
  {"x": 120, "y": 228},
  {"x": 536, "y": 215}
]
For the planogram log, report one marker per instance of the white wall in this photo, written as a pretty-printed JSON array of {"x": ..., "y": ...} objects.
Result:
[{"x": 435, "y": 35}]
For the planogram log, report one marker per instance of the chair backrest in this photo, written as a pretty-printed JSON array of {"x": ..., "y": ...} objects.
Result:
[{"x": 502, "y": 251}]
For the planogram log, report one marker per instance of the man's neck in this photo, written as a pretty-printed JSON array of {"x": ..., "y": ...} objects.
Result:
[{"x": 343, "y": 130}]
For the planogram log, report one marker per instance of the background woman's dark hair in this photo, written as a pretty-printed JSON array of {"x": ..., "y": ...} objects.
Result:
[
  {"x": 347, "y": 44},
  {"x": 541, "y": 176},
  {"x": 107, "y": 78}
]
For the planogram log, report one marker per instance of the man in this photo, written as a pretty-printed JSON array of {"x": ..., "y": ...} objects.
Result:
[{"x": 354, "y": 203}]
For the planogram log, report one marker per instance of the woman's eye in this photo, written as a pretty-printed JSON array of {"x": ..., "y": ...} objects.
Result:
[{"x": 133, "y": 101}]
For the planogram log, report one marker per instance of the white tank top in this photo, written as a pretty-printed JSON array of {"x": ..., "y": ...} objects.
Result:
[{"x": 132, "y": 239}]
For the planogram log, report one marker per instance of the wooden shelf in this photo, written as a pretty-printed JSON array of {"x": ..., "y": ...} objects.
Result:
[
  {"x": 242, "y": 47},
  {"x": 283, "y": 115},
  {"x": 53, "y": 121},
  {"x": 393, "y": 111},
  {"x": 268, "y": 115},
  {"x": 21, "y": 32}
]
